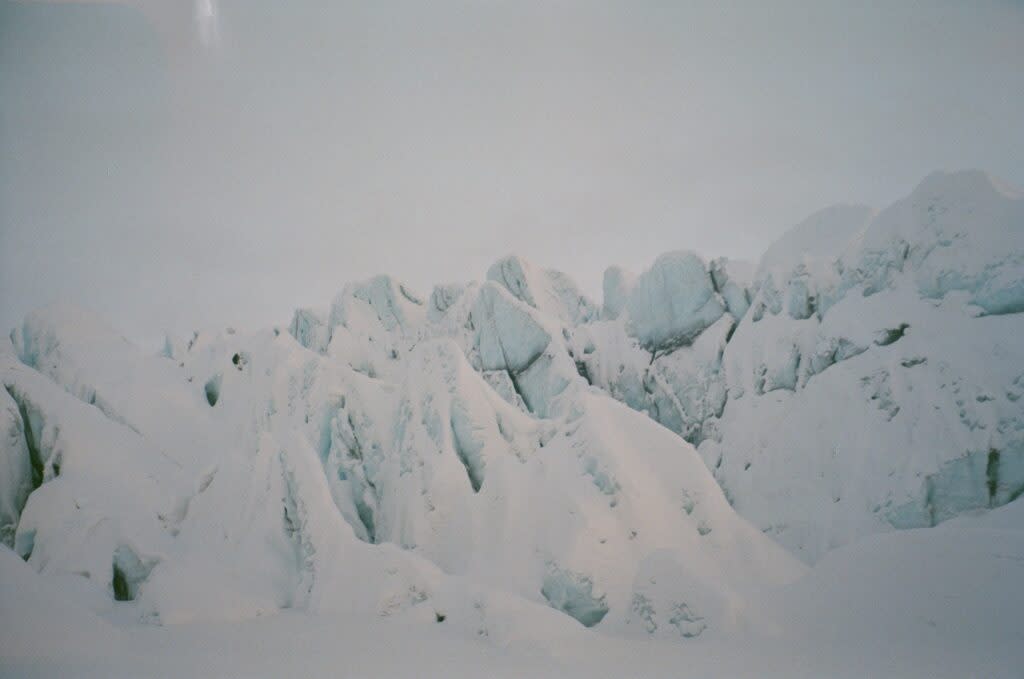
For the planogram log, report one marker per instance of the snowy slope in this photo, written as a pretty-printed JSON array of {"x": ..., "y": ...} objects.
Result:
[
  {"x": 883, "y": 389},
  {"x": 874, "y": 382},
  {"x": 931, "y": 603},
  {"x": 819, "y": 237},
  {"x": 242, "y": 474}
]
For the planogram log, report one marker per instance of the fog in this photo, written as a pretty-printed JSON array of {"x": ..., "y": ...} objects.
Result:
[{"x": 176, "y": 165}]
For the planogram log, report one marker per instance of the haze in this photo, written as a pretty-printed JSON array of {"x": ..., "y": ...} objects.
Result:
[{"x": 176, "y": 166}]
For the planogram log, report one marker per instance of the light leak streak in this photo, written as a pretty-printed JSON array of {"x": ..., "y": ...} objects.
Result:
[{"x": 207, "y": 22}]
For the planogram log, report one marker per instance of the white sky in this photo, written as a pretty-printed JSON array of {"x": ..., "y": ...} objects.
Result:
[{"x": 174, "y": 173}]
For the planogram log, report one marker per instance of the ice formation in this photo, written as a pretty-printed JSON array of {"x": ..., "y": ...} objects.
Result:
[
  {"x": 458, "y": 454},
  {"x": 511, "y": 445}
]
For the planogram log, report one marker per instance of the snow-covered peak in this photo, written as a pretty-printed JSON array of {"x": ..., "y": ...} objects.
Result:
[
  {"x": 823, "y": 235},
  {"x": 951, "y": 205},
  {"x": 957, "y": 231},
  {"x": 551, "y": 292},
  {"x": 393, "y": 304},
  {"x": 959, "y": 185}
]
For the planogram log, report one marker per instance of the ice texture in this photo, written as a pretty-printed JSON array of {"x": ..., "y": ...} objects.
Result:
[
  {"x": 460, "y": 445},
  {"x": 507, "y": 459},
  {"x": 550, "y": 292},
  {"x": 673, "y": 302},
  {"x": 618, "y": 284},
  {"x": 17, "y": 455}
]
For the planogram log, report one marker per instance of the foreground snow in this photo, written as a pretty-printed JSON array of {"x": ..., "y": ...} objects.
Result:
[{"x": 936, "y": 602}]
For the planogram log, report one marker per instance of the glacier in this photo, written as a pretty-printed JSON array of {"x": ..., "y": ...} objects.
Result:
[
  {"x": 874, "y": 381},
  {"x": 698, "y": 458}
]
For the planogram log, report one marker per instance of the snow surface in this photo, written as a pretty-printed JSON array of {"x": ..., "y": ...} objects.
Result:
[
  {"x": 508, "y": 478},
  {"x": 934, "y": 602}
]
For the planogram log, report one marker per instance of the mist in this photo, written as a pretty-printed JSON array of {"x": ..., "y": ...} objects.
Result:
[{"x": 175, "y": 166}]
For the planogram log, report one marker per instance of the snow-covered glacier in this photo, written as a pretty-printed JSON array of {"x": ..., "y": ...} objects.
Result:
[
  {"x": 865, "y": 375},
  {"x": 452, "y": 458},
  {"x": 516, "y": 461}
]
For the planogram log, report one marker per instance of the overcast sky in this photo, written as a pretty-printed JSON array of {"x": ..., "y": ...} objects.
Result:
[{"x": 173, "y": 165}]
